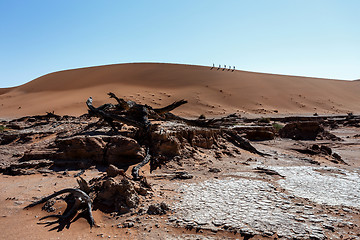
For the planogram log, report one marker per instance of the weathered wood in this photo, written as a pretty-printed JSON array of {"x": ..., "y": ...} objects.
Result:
[
  {"x": 138, "y": 115},
  {"x": 79, "y": 197},
  {"x": 108, "y": 117},
  {"x": 135, "y": 170},
  {"x": 121, "y": 102},
  {"x": 191, "y": 122},
  {"x": 242, "y": 143},
  {"x": 170, "y": 107}
]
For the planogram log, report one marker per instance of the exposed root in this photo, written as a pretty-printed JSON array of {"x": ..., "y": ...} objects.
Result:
[
  {"x": 77, "y": 200},
  {"x": 135, "y": 170}
]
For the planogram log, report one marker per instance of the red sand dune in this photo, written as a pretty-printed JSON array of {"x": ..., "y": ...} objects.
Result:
[{"x": 210, "y": 92}]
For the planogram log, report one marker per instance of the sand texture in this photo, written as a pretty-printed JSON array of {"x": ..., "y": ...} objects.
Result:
[{"x": 211, "y": 92}]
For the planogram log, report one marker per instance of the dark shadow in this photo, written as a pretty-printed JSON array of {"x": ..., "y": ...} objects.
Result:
[{"x": 68, "y": 217}]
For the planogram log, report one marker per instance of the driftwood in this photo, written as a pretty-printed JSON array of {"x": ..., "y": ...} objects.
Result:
[
  {"x": 138, "y": 115},
  {"x": 77, "y": 200},
  {"x": 170, "y": 107},
  {"x": 110, "y": 118},
  {"x": 242, "y": 143},
  {"x": 135, "y": 170}
]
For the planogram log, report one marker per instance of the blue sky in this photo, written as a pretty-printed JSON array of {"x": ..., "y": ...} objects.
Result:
[{"x": 317, "y": 38}]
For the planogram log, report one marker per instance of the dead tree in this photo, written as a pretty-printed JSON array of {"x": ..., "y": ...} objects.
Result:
[
  {"x": 137, "y": 115},
  {"x": 135, "y": 170},
  {"x": 240, "y": 142},
  {"x": 77, "y": 201},
  {"x": 170, "y": 107},
  {"x": 110, "y": 118}
]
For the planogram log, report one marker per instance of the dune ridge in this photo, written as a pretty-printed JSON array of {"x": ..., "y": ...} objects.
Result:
[{"x": 209, "y": 91}]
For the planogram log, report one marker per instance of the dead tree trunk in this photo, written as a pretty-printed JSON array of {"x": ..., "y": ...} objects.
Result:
[
  {"x": 170, "y": 107},
  {"x": 122, "y": 103},
  {"x": 108, "y": 117},
  {"x": 79, "y": 197},
  {"x": 242, "y": 143},
  {"x": 135, "y": 170},
  {"x": 137, "y": 115}
]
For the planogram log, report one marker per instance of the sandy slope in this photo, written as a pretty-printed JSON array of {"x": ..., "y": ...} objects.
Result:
[{"x": 209, "y": 91}]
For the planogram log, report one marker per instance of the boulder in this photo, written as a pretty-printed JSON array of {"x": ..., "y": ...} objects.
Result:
[
  {"x": 123, "y": 151},
  {"x": 169, "y": 146},
  {"x": 171, "y": 141},
  {"x": 260, "y": 135},
  {"x": 117, "y": 194},
  {"x": 89, "y": 148},
  {"x": 301, "y": 130},
  {"x": 117, "y": 150},
  {"x": 113, "y": 171},
  {"x": 158, "y": 209}
]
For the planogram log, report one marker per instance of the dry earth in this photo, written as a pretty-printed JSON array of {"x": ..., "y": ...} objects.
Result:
[{"x": 298, "y": 190}]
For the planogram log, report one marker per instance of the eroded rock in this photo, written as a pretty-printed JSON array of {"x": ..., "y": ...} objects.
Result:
[
  {"x": 113, "y": 171},
  {"x": 116, "y": 195},
  {"x": 301, "y": 130},
  {"x": 158, "y": 209},
  {"x": 123, "y": 151},
  {"x": 260, "y": 135},
  {"x": 81, "y": 147}
]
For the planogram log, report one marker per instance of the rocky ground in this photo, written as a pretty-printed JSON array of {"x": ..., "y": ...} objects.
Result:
[{"x": 302, "y": 183}]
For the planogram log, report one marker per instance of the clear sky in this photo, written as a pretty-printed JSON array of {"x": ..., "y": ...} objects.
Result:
[{"x": 317, "y": 38}]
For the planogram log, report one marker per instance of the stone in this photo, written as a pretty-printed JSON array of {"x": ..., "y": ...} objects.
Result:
[
  {"x": 183, "y": 175},
  {"x": 337, "y": 158},
  {"x": 117, "y": 194},
  {"x": 158, "y": 209},
  {"x": 301, "y": 130},
  {"x": 260, "y": 135},
  {"x": 169, "y": 147},
  {"x": 325, "y": 150},
  {"x": 81, "y": 147},
  {"x": 123, "y": 151},
  {"x": 113, "y": 171},
  {"x": 128, "y": 225},
  {"x": 214, "y": 170}
]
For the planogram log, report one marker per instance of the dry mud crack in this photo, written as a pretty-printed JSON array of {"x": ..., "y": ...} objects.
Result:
[{"x": 288, "y": 208}]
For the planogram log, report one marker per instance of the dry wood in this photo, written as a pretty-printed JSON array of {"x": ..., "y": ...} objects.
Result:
[{"x": 79, "y": 198}]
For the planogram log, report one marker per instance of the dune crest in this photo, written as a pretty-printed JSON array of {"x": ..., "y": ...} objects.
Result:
[{"x": 209, "y": 91}]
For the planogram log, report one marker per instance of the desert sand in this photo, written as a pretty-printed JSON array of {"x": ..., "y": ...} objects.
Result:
[
  {"x": 216, "y": 188},
  {"x": 211, "y": 92}
]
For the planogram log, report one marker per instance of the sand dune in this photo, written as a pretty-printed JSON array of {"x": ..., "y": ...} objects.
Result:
[
  {"x": 5, "y": 90},
  {"x": 210, "y": 92}
]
